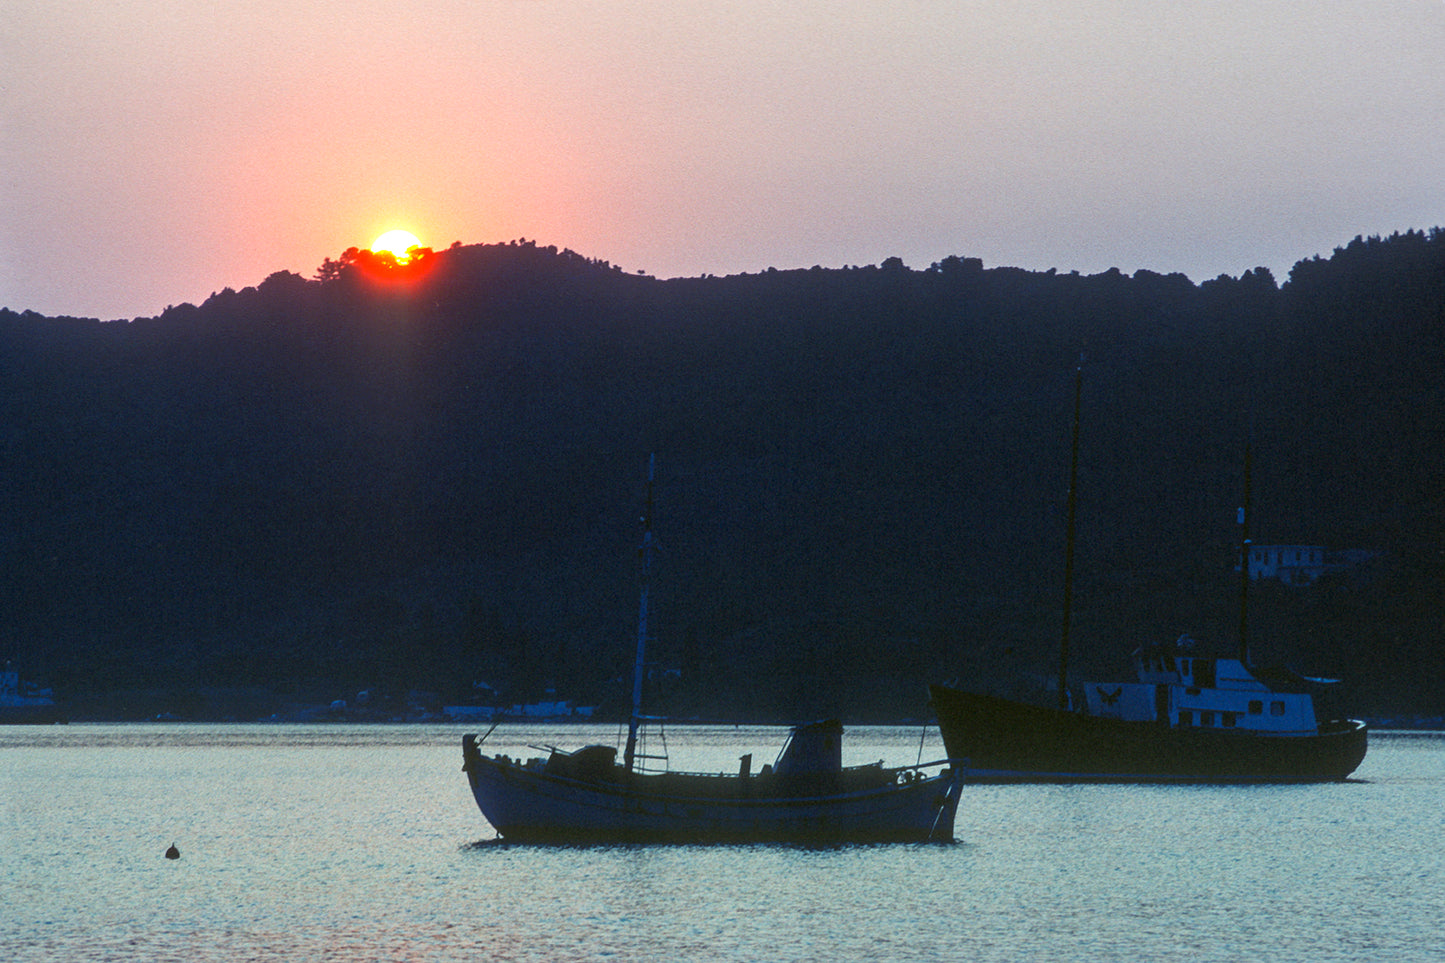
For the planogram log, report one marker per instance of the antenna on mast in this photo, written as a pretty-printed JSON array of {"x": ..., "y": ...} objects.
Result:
[
  {"x": 1069, "y": 541},
  {"x": 1244, "y": 547}
]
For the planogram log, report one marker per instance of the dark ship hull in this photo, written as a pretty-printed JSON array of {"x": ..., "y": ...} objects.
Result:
[
  {"x": 1006, "y": 741},
  {"x": 31, "y": 715}
]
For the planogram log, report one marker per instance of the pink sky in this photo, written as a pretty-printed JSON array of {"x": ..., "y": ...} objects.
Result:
[{"x": 155, "y": 151}]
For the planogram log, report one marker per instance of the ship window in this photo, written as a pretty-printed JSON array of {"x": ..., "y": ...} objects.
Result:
[
  {"x": 1255, "y": 707},
  {"x": 1230, "y": 719},
  {"x": 1206, "y": 718},
  {"x": 1276, "y": 708},
  {"x": 1186, "y": 718}
]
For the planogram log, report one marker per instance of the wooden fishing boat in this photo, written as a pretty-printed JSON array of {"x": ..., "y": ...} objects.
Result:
[
  {"x": 586, "y": 796},
  {"x": 807, "y": 795}
]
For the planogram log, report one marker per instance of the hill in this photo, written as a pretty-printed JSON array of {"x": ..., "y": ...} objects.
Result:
[{"x": 416, "y": 477}]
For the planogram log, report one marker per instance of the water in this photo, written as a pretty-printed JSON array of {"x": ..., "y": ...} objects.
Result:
[{"x": 350, "y": 843}]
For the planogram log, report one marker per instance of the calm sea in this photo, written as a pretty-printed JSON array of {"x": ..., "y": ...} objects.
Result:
[{"x": 351, "y": 843}]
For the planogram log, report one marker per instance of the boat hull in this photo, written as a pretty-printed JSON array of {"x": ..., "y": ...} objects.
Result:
[
  {"x": 35, "y": 715},
  {"x": 1006, "y": 741},
  {"x": 525, "y": 804}
]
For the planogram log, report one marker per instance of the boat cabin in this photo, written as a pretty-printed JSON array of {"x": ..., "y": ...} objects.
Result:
[
  {"x": 1182, "y": 689},
  {"x": 812, "y": 748}
]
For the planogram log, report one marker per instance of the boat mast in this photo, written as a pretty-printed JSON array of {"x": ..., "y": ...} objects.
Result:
[
  {"x": 1069, "y": 543},
  {"x": 630, "y": 754},
  {"x": 1244, "y": 546}
]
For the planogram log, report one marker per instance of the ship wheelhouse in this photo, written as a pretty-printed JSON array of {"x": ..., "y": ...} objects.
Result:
[{"x": 1184, "y": 690}]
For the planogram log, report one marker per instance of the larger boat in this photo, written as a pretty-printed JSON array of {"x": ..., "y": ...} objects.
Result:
[
  {"x": 807, "y": 795},
  {"x": 1190, "y": 717}
]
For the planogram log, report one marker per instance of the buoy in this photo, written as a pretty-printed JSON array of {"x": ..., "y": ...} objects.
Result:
[{"x": 173, "y": 853}]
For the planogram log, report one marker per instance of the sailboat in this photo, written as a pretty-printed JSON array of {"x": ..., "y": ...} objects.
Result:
[
  {"x": 807, "y": 795},
  {"x": 1190, "y": 717}
]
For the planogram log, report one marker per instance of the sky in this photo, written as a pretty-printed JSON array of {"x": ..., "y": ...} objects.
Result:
[{"x": 153, "y": 152}]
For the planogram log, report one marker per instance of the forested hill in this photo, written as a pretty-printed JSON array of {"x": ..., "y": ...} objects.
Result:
[{"x": 415, "y": 477}]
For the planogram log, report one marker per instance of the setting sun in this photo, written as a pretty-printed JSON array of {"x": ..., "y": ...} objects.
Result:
[{"x": 396, "y": 243}]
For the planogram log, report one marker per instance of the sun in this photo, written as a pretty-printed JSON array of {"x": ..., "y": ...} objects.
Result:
[{"x": 397, "y": 243}]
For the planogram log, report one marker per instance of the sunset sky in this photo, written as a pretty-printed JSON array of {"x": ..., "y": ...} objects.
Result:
[{"x": 155, "y": 151}]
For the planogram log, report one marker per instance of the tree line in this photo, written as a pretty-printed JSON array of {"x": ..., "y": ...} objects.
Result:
[{"x": 424, "y": 475}]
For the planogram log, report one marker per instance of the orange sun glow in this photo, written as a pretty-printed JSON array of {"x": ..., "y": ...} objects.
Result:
[{"x": 397, "y": 243}]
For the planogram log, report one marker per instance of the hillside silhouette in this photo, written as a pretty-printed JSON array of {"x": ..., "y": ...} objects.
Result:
[{"x": 416, "y": 477}]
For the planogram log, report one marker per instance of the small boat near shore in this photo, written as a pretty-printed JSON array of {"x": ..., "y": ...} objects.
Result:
[
  {"x": 20, "y": 705},
  {"x": 588, "y": 796}
]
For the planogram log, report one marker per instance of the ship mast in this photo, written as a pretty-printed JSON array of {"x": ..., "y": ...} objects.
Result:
[
  {"x": 630, "y": 753},
  {"x": 1069, "y": 542},
  {"x": 1244, "y": 546}
]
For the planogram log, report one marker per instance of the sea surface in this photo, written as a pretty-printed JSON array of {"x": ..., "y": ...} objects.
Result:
[{"x": 362, "y": 842}]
